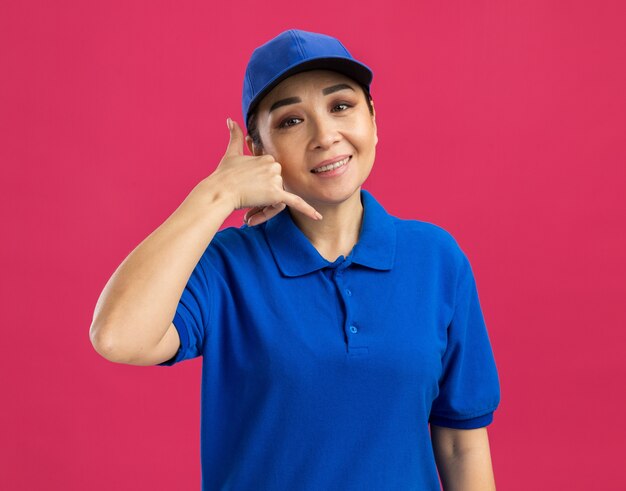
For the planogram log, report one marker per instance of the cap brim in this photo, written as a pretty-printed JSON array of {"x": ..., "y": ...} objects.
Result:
[{"x": 350, "y": 68}]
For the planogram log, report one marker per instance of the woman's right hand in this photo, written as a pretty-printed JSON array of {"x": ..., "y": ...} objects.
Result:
[{"x": 255, "y": 182}]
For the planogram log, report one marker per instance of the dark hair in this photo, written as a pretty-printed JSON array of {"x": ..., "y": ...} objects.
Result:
[{"x": 253, "y": 131}]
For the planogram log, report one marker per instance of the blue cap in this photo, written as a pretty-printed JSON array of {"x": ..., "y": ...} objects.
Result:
[{"x": 295, "y": 51}]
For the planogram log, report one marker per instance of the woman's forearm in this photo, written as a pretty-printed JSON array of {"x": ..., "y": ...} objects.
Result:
[
  {"x": 139, "y": 301},
  {"x": 463, "y": 459}
]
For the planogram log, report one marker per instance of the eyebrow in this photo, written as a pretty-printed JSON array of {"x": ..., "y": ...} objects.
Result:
[
  {"x": 295, "y": 100},
  {"x": 335, "y": 88},
  {"x": 285, "y": 102}
]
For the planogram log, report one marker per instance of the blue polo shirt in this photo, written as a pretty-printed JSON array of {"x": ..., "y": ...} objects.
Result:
[{"x": 321, "y": 375}]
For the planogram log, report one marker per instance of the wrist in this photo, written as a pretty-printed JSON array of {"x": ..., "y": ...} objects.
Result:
[{"x": 217, "y": 195}]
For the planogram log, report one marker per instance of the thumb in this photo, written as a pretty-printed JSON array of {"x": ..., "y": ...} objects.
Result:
[{"x": 235, "y": 145}]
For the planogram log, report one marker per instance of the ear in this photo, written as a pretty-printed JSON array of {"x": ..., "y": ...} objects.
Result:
[
  {"x": 374, "y": 121},
  {"x": 254, "y": 150}
]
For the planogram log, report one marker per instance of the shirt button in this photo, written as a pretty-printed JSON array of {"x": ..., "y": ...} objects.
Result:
[
  {"x": 353, "y": 328},
  {"x": 349, "y": 293}
]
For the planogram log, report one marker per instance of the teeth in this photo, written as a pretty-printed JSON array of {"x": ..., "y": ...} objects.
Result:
[{"x": 332, "y": 166}]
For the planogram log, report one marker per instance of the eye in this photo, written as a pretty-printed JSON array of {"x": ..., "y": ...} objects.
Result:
[
  {"x": 341, "y": 107},
  {"x": 286, "y": 123}
]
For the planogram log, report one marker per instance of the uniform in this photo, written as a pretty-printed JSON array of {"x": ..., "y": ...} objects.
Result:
[{"x": 321, "y": 375}]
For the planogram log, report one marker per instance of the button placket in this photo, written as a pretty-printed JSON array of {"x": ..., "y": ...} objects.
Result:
[
  {"x": 352, "y": 336},
  {"x": 349, "y": 321},
  {"x": 345, "y": 294}
]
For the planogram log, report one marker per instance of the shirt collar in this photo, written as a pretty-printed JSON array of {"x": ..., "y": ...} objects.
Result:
[{"x": 295, "y": 255}]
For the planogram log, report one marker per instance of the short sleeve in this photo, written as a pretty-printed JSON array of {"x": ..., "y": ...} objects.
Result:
[
  {"x": 469, "y": 388},
  {"x": 193, "y": 313}
]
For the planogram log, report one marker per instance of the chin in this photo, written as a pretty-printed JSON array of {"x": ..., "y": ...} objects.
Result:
[{"x": 333, "y": 196}]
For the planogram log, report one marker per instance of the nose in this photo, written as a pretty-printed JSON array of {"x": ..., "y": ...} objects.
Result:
[{"x": 324, "y": 132}]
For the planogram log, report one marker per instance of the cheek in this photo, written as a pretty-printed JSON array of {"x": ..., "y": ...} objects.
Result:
[
  {"x": 366, "y": 136},
  {"x": 287, "y": 141},
  {"x": 288, "y": 153}
]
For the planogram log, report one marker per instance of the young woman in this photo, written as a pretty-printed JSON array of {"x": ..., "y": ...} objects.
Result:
[{"x": 332, "y": 333}]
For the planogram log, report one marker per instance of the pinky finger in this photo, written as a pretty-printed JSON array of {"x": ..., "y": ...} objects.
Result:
[{"x": 295, "y": 201}]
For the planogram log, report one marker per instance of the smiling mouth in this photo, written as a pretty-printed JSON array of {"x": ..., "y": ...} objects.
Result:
[{"x": 330, "y": 167}]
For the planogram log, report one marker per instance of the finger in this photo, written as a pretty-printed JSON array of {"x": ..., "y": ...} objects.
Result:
[
  {"x": 259, "y": 214},
  {"x": 251, "y": 212},
  {"x": 272, "y": 210},
  {"x": 235, "y": 145},
  {"x": 256, "y": 209},
  {"x": 299, "y": 204}
]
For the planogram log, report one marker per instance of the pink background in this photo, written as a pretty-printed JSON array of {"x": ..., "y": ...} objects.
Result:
[{"x": 502, "y": 121}]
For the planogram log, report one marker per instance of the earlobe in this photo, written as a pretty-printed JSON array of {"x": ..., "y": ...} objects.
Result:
[
  {"x": 253, "y": 150},
  {"x": 249, "y": 144}
]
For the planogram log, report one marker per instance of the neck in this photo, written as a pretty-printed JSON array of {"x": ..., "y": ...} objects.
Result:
[{"x": 337, "y": 233}]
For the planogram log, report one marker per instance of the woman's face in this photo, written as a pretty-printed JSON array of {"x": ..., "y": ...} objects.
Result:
[{"x": 314, "y": 118}]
